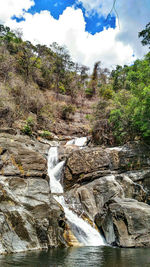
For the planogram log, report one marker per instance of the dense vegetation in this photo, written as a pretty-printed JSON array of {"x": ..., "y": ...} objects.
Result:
[
  {"x": 123, "y": 111},
  {"x": 28, "y": 72}
]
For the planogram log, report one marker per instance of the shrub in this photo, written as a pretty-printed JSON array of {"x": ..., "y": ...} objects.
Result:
[
  {"x": 67, "y": 110},
  {"x": 89, "y": 92},
  {"x": 89, "y": 117},
  {"x": 46, "y": 134},
  {"x": 106, "y": 91},
  {"x": 102, "y": 133},
  {"x": 27, "y": 130},
  {"x": 62, "y": 88},
  {"x": 30, "y": 121}
]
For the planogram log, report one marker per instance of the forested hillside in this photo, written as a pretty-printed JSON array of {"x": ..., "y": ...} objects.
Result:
[
  {"x": 123, "y": 111},
  {"x": 41, "y": 86},
  {"x": 33, "y": 81}
]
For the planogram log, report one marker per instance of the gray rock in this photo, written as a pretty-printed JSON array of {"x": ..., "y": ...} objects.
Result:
[
  {"x": 20, "y": 156},
  {"x": 85, "y": 165},
  {"x": 112, "y": 187},
  {"x": 127, "y": 224},
  {"x": 29, "y": 216}
]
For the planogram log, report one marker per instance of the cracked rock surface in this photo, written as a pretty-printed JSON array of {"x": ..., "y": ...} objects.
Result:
[
  {"x": 29, "y": 216},
  {"x": 111, "y": 186}
]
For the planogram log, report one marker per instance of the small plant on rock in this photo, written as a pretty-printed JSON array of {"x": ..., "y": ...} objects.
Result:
[
  {"x": 46, "y": 134},
  {"x": 27, "y": 129}
]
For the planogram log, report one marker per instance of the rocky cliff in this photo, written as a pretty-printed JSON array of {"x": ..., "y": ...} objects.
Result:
[
  {"x": 108, "y": 186},
  {"x": 111, "y": 187},
  {"x": 29, "y": 216}
]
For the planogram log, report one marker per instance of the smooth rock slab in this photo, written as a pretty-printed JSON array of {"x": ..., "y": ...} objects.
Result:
[
  {"x": 127, "y": 224},
  {"x": 21, "y": 156},
  {"x": 29, "y": 216}
]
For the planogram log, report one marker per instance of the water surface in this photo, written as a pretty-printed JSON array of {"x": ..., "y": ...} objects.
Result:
[{"x": 80, "y": 257}]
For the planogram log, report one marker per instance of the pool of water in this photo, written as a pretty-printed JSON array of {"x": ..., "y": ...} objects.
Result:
[{"x": 80, "y": 257}]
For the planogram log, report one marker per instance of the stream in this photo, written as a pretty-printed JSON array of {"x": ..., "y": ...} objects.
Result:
[
  {"x": 80, "y": 257},
  {"x": 83, "y": 231}
]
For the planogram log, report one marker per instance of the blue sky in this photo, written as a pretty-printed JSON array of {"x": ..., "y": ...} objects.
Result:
[
  {"x": 94, "y": 22},
  {"x": 85, "y": 27}
]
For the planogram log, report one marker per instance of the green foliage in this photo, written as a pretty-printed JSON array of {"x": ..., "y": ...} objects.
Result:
[
  {"x": 89, "y": 117},
  {"x": 89, "y": 91},
  {"x": 94, "y": 80},
  {"x": 49, "y": 67},
  {"x": 46, "y": 134},
  {"x": 130, "y": 116},
  {"x": 119, "y": 77},
  {"x": 106, "y": 91},
  {"x": 30, "y": 121},
  {"x": 28, "y": 128},
  {"x": 125, "y": 104},
  {"x": 62, "y": 88},
  {"x": 146, "y": 35},
  {"x": 9, "y": 38}
]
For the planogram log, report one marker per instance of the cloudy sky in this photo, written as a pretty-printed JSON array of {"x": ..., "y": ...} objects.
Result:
[{"x": 92, "y": 30}]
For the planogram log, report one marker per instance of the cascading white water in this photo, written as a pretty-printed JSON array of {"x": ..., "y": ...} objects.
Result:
[
  {"x": 83, "y": 231},
  {"x": 78, "y": 141}
]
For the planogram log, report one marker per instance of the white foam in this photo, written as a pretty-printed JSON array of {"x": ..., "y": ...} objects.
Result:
[{"x": 83, "y": 231}]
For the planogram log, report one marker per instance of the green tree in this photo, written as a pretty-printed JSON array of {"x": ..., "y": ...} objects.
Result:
[
  {"x": 27, "y": 59},
  {"x": 62, "y": 65},
  {"x": 9, "y": 38},
  {"x": 92, "y": 85},
  {"x": 145, "y": 34}
]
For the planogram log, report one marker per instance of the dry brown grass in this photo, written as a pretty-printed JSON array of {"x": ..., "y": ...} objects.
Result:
[{"x": 20, "y": 100}]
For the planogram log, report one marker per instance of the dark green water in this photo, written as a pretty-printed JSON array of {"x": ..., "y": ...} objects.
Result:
[{"x": 80, "y": 257}]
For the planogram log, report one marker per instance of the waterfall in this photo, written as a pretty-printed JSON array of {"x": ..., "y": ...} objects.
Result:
[
  {"x": 78, "y": 141},
  {"x": 83, "y": 231}
]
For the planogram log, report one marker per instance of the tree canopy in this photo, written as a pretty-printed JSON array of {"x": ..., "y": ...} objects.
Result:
[{"x": 145, "y": 34}]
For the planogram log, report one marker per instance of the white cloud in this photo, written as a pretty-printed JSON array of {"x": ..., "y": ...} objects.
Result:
[
  {"x": 103, "y": 7},
  {"x": 10, "y": 8},
  {"x": 133, "y": 16},
  {"x": 69, "y": 30},
  {"x": 111, "y": 46}
]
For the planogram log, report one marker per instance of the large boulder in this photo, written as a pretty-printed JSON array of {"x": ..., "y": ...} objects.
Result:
[
  {"x": 126, "y": 223},
  {"x": 92, "y": 197},
  {"x": 108, "y": 186},
  {"x": 86, "y": 165},
  {"x": 133, "y": 156},
  {"x": 20, "y": 156},
  {"x": 29, "y": 216}
]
